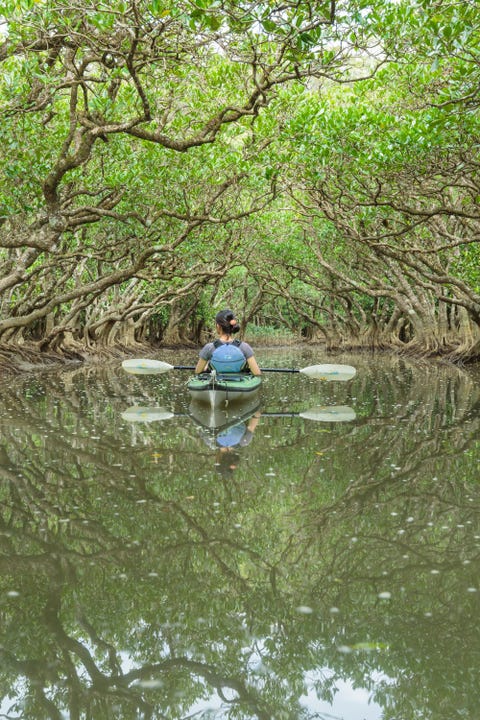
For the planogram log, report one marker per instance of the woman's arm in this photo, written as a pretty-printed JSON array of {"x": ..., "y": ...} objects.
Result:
[
  {"x": 253, "y": 365},
  {"x": 201, "y": 365}
]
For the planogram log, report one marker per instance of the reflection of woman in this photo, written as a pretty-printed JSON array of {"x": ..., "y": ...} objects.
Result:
[
  {"x": 227, "y": 326},
  {"x": 234, "y": 436},
  {"x": 226, "y": 462},
  {"x": 239, "y": 435}
]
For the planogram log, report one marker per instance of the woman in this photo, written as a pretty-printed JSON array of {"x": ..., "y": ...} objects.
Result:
[{"x": 227, "y": 326}]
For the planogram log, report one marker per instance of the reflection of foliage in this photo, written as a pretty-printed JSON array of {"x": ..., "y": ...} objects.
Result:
[{"x": 136, "y": 582}]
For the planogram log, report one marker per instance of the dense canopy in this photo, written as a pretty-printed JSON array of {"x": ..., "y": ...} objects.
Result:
[{"x": 315, "y": 164}]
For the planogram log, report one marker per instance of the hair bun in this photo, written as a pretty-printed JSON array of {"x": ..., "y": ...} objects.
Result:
[{"x": 227, "y": 321}]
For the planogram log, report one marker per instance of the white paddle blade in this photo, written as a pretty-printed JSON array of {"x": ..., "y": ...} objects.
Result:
[
  {"x": 146, "y": 414},
  {"x": 332, "y": 413},
  {"x": 330, "y": 372},
  {"x": 145, "y": 366}
]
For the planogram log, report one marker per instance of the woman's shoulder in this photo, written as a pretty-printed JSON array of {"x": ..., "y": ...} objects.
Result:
[
  {"x": 207, "y": 350},
  {"x": 246, "y": 349}
]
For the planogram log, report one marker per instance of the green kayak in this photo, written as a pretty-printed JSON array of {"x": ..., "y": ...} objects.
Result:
[{"x": 221, "y": 389}]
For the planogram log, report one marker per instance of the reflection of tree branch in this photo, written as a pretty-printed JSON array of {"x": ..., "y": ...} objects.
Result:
[
  {"x": 210, "y": 543},
  {"x": 72, "y": 647},
  {"x": 102, "y": 682},
  {"x": 247, "y": 696},
  {"x": 95, "y": 638},
  {"x": 40, "y": 673}
]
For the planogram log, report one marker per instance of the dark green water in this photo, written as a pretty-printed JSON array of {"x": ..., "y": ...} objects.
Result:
[{"x": 323, "y": 570}]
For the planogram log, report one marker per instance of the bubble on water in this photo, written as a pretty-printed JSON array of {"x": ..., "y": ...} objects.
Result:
[
  {"x": 472, "y": 590},
  {"x": 304, "y": 609},
  {"x": 345, "y": 649},
  {"x": 150, "y": 684},
  {"x": 434, "y": 572},
  {"x": 13, "y": 594},
  {"x": 334, "y": 610},
  {"x": 385, "y": 595}
]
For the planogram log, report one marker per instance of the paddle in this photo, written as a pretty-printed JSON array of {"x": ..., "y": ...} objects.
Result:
[
  {"x": 146, "y": 366},
  {"x": 320, "y": 413}
]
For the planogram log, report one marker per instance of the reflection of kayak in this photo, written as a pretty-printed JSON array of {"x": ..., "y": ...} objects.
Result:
[
  {"x": 220, "y": 417},
  {"x": 224, "y": 426},
  {"x": 221, "y": 389}
]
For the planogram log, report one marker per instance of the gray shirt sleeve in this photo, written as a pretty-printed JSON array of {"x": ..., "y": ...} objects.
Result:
[
  {"x": 246, "y": 349},
  {"x": 207, "y": 351}
]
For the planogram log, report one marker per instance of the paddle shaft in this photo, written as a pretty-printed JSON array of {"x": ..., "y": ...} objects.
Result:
[
  {"x": 279, "y": 370},
  {"x": 284, "y": 370}
]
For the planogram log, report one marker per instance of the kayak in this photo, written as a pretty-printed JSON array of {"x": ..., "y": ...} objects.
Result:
[{"x": 223, "y": 388}]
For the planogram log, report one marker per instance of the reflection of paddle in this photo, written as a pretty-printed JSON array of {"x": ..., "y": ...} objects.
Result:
[
  {"x": 321, "y": 413},
  {"x": 146, "y": 366},
  {"x": 136, "y": 413}
]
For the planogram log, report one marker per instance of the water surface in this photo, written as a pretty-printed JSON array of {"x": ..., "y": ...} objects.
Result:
[{"x": 322, "y": 566}]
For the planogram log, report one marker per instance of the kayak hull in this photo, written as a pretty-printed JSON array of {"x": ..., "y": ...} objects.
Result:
[{"x": 222, "y": 389}]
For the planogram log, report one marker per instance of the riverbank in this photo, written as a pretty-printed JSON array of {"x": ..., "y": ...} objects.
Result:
[{"x": 28, "y": 356}]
